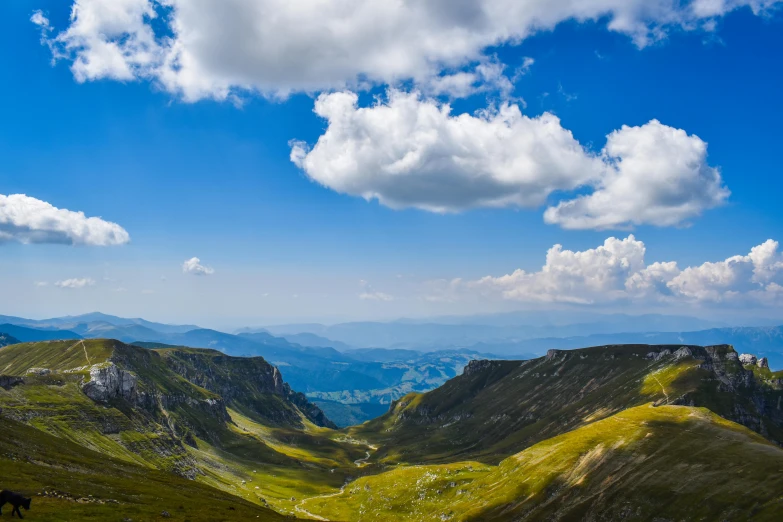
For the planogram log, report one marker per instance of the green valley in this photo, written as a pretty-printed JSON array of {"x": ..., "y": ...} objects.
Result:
[{"x": 619, "y": 432}]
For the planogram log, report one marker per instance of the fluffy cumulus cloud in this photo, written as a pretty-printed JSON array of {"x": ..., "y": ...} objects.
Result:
[
  {"x": 207, "y": 49},
  {"x": 25, "y": 219},
  {"x": 410, "y": 151},
  {"x": 655, "y": 174},
  {"x": 193, "y": 266},
  {"x": 75, "y": 283},
  {"x": 617, "y": 272}
]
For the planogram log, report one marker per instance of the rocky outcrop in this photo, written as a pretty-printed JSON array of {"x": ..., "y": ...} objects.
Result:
[
  {"x": 657, "y": 356},
  {"x": 9, "y": 381},
  {"x": 747, "y": 358},
  {"x": 108, "y": 382},
  {"x": 476, "y": 366},
  {"x": 246, "y": 382}
]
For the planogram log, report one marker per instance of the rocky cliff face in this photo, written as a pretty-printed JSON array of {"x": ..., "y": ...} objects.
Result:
[
  {"x": 247, "y": 383},
  {"x": 108, "y": 382}
]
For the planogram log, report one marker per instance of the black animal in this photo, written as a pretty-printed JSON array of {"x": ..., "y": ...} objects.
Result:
[{"x": 15, "y": 500}]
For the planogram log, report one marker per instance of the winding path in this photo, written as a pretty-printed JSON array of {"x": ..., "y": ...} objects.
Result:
[{"x": 359, "y": 463}]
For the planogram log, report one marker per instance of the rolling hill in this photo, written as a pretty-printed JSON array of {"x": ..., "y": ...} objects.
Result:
[
  {"x": 497, "y": 408},
  {"x": 643, "y": 463}
]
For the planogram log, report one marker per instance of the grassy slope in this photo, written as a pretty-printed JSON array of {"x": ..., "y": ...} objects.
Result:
[
  {"x": 671, "y": 462},
  {"x": 33, "y": 461},
  {"x": 276, "y": 462},
  {"x": 507, "y": 406}
]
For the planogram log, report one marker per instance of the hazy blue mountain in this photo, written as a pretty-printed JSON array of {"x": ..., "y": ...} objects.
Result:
[
  {"x": 465, "y": 331},
  {"x": 70, "y": 322},
  {"x": 6, "y": 340},
  {"x": 26, "y": 335},
  {"x": 310, "y": 339}
]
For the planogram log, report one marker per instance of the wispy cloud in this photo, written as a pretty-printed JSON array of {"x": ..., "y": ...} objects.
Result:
[{"x": 75, "y": 283}]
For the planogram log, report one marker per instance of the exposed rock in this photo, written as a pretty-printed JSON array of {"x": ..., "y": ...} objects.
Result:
[
  {"x": 476, "y": 366},
  {"x": 747, "y": 358},
  {"x": 553, "y": 354},
  {"x": 8, "y": 381},
  {"x": 683, "y": 352},
  {"x": 657, "y": 356},
  {"x": 762, "y": 363},
  {"x": 39, "y": 371},
  {"x": 108, "y": 382}
]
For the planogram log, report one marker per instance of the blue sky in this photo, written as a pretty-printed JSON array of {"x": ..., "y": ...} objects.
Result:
[{"x": 212, "y": 178}]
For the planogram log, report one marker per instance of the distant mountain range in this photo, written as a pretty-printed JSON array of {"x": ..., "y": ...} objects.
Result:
[
  {"x": 353, "y": 384},
  {"x": 496, "y": 328},
  {"x": 356, "y": 369}
]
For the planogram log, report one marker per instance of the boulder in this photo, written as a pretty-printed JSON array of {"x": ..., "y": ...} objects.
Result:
[{"x": 39, "y": 371}]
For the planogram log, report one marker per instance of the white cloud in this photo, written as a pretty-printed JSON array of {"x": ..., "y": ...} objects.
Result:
[
  {"x": 28, "y": 220},
  {"x": 409, "y": 151},
  {"x": 193, "y": 266},
  {"x": 40, "y": 20},
  {"x": 617, "y": 272},
  {"x": 75, "y": 283},
  {"x": 41, "y": 284},
  {"x": 656, "y": 174},
  {"x": 371, "y": 294},
  {"x": 209, "y": 49}
]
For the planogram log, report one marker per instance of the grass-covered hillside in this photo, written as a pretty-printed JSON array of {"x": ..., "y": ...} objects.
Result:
[
  {"x": 248, "y": 434},
  {"x": 69, "y": 482},
  {"x": 610, "y": 433},
  {"x": 497, "y": 408},
  {"x": 644, "y": 463}
]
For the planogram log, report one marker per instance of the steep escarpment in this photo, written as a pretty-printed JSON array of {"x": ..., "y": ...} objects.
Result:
[
  {"x": 110, "y": 397},
  {"x": 496, "y": 408},
  {"x": 249, "y": 384}
]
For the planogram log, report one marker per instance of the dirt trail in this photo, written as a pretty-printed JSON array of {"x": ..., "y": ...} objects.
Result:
[
  {"x": 359, "y": 463},
  {"x": 662, "y": 388},
  {"x": 85, "y": 353}
]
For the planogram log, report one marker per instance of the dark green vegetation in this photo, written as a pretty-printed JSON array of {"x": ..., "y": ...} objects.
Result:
[
  {"x": 70, "y": 482},
  {"x": 497, "y": 408}
]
